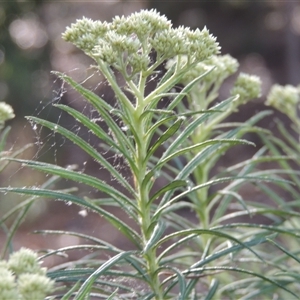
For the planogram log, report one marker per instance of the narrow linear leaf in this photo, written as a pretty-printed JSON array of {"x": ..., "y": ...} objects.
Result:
[
  {"x": 255, "y": 211},
  {"x": 182, "y": 295},
  {"x": 86, "y": 147},
  {"x": 173, "y": 246},
  {"x": 271, "y": 228},
  {"x": 158, "y": 231},
  {"x": 82, "y": 178},
  {"x": 212, "y": 289},
  {"x": 161, "y": 208},
  {"x": 3, "y": 137},
  {"x": 164, "y": 137},
  {"x": 193, "y": 125},
  {"x": 167, "y": 75},
  {"x": 80, "y": 235},
  {"x": 103, "y": 108},
  {"x": 197, "y": 112},
  {"x": 285, "y": 251},
  {"x": 152, "y": 129},
  {"x": 244, "y": 271},
  {"x": 120, "y": 225},
  {"x": 23, "y": 209},
  {"x": 171, "y": 186},
  {"x": 70, "y": 293},
  {"x": 87, "y": 285},
  {"x": 207, "y": 153},
  {"x": 224, "y": 252},
  {"x": 187, "y": 88},
  {"x": 92, "y": 97},
  {"x": 156, "y": 112},
  {"x": 96, "y": 129},
  {"x": 212, "y": 232},
  {"x": 113, "y": 295},
  {"x": 238, "y": 197},
  {"x": 197, "y": 146}
]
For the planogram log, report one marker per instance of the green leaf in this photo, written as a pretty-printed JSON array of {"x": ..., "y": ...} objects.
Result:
[
  {"x": 229, "y": 250},
  {"x": 187, "y": 88},
  {"x": 23, "y": 209},
  {"x": 69, "y": 294},
  {"x": 285, "y": 251},
  {"x": 206, "y": 143},
  {"x": 157, "y": 232},
  {"x": 212, "y": 289},
  {"x": 85, "y": 179},
  {"x": 88, "y": 284},
  {"x": 3, "y": 137},
  {"x": 103, "y": 109},
  {"x": 169, "y": 187},
  {"x": 120, "y": 225},
  {"x": 97, "y": 130},
  {"x": 167, "y": 75},
  {"x": 163, "y": 206},
  {"x": 238, "y": 197},
  {"x": 270, "y": 228},
  {"x": 92, "y": 152},
  {"x": 234, "y": 269},
  {"x": 198, "y": 112},
  {"x": 182, "y": 295},
  {"x": 208, "y": 155},
  {"x": 113, "y": 295},
  {"x": 164, "y": 137},
  {"x": 213, "y": 232},
  {"x": 80, "y": 235},
  {"x": 156, "y": 125},
  {"x": 156, "y": 112},
  {"x": 87, "y": 94},
  {"x": 267, "y": 212},
  {"x": 193, "y": 125},
  {"x": 183, "y": 240}
]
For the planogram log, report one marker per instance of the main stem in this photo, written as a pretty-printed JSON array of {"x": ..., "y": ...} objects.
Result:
[{"x": 142, "y": 192}]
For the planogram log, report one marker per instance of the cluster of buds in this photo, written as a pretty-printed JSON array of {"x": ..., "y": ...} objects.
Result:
[
  {"x": 127, "y": 42},
  {"x": 285, "y": 99},
  {"x": 22, "y": 278},
  {"x": 246, "y": 87},
  {"x": 217, "y": 67},
  {"x": 6, "y": 113}
]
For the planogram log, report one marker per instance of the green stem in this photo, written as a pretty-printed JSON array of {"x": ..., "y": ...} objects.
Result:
[{"x": 143, "y": 192}]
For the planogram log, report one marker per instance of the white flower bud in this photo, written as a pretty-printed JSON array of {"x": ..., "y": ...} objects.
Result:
[{"x": 247, "y": 87}]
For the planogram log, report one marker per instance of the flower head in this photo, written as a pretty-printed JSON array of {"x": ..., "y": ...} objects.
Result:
[
  {"x": 219, "y": 67},
  {"x": 6, "y": 112},
  {"x": 8, "y": 286},
  {"x": 285, "y": 99},
  {"x": 34, "y": 286},
  {"x": 144, "y": 24},
  {"x": 22, "y": 278},
  {"x": 86, "y": 34},
  {"x": 127, "y": 42},
  {"x": 25, "y": 261},
  {"x": 247, "y": 87}
]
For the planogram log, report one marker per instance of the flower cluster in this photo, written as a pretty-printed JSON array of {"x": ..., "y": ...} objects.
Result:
[
  {"x": 219, "y": 67},
  {"x": 21, "y": 277},
  {"x": 247, "y": 87},
  {"x": 285, "y": 99},
  {"x": 6, "y": 112},
  {"x": 126, "y": 42}
]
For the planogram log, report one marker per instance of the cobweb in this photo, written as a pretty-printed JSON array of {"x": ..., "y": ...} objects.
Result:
[
  {"x": 63, "y": 151},
  {"x": 51, "y": 147}
]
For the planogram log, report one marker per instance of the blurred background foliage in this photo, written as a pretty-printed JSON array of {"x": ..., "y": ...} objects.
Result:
[{"x": 263, "y": 35}]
